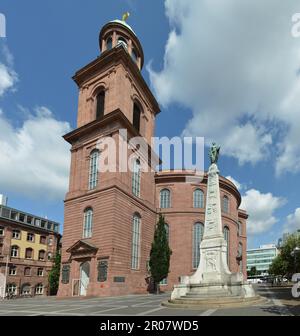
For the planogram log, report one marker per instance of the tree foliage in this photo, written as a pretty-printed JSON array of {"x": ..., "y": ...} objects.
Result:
[
  {"x": 160, "y": 253},
  {"x": 53, "y": 276},
  {"x": 286, "y": 263}
]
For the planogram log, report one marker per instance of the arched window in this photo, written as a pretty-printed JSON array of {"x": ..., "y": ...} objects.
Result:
[
  {"x": 165, "y": 199},
  {"x": 39, "y": 289},
  {"x": 240, "y": 228},
  {"x": 225, "y": 204},
  {"x": 122, "y": 41},
  {"x": 100, "y": 105},
  {"x": 29, "y": 253},
  {"x": 134, "y": 55},
  {"x": 198, "y": 231},
  {"x": 135, "y": 249},
  {"x": 198, "y": 199},
  {"x": 227, "y": 238},
  {"x": 88, "y": 223},
  {"x": 93, "y": 174},
  {"x": 167, "y": 228},
  {"x": 240, "y": 255},
  {"x": 14, "y": 252},
  {"x": 49, "y": 256},
  {"x": 109, "y": 43},
  {"x": 136, "y": 178},
  {"x": 11, "y": 288},
  {"x": 42, "y": 255},
  {"x": 26, "y": 289},
  {"x": 136, "y": 117}
]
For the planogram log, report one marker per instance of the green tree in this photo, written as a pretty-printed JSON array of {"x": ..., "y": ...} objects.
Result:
[
  {"x": 53, "y": 276},
  {"x": 253, "y": 271},
  {"x": 160, "y": 254},
  {"x": 278, "y": 266}
]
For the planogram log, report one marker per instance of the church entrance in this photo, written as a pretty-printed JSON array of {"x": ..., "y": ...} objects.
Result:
[{"x": 84, "y": 277}]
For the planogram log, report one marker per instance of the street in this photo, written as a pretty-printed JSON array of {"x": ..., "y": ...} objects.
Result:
[{"x": 279, "y": 303}]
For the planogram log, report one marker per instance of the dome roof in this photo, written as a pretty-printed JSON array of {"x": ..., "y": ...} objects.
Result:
[{"x": 124, "y": 24}]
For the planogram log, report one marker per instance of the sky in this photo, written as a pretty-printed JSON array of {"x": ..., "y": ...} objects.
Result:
[{"x": 226, "y": 70}]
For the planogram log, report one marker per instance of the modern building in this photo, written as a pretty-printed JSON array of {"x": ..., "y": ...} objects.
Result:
[
  {"x": 261, "y": 258},
  {"x": 110, "y": 217},
  {"x": 27, "y": 245}
]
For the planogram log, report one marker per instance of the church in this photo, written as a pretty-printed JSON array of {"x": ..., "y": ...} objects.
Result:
[{"x": 110, "y": 217}]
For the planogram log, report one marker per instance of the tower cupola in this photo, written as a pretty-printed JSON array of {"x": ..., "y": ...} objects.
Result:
[{"x": 118, "y": 33}]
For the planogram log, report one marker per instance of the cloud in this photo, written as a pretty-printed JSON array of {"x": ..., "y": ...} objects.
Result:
[
  {"x": 8, "y": 77},
  {"x": 236, "y": 66},
  {"x": 261, "y": 208},
  {"x": 35, "y": 158},
  {"x": 292, "y": 222},
  {"x": 235, "y": 182}
]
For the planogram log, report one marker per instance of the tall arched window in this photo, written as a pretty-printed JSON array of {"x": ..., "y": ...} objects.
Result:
[
  {"x": 240, "y": 228},
  {"x": 136, "y": 117},
  {"x": 225, "y": 204},
  {"x": 136, "y": 178},
  {"x": 14, "y": 252},
  {"x": 240, "y": 251},
  {"x": 134, "y": 55},
  {"x": 167, "y": 228},
  {"x": 198, "y": 199},
  {"x": 226, "y": 237},
  {"x": 93, "y": 173},
  {"x": 88, "y": 223},
  {"x": 100, "y": 105},
  {"x": 122, "y": 41},
  {"x": 29, "y": 253},
  {"x": 198, "y": 231},
  {"x": 135, "y": 249},
  {"x": 42, "y": 254},
  {"x": 109, "y": 43},
  {"x": 165, "y": 201}
]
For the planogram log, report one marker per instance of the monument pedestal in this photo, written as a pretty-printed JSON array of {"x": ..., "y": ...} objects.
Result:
[{"x": 212, "y": 283}]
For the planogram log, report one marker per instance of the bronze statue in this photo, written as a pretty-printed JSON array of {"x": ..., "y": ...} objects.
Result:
[{"x": 214, "y": 153}]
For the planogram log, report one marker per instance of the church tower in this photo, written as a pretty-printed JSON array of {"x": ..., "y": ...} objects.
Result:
[{"x": 110, "y": 216}]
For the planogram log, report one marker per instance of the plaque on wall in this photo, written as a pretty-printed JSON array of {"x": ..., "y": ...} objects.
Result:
[
  {"x": 65, "y": 274},
  {"x": 102, "y": 270},
  {"x": 119, "y": 279}
]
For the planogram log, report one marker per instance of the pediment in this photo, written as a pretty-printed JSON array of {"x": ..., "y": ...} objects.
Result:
[{"x": 82, "y": 246}]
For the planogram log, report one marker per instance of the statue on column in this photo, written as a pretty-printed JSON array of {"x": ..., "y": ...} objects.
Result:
[{"x": 214, "y": 153}]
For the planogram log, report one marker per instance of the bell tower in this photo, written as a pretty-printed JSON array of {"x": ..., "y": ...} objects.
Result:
[{"x": 110, "y": 216}]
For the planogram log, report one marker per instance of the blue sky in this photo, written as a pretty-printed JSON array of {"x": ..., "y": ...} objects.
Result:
[{"x": 213, "y": 75}]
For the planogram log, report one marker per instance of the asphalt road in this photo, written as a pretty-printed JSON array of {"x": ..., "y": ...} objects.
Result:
[{"x": 279, "y": 303}]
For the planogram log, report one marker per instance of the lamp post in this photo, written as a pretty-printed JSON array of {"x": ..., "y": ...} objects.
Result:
[{"x": 294, "y": 254}]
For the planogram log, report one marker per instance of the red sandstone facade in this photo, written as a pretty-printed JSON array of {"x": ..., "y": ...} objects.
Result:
[{"x": 98, "y": 253}]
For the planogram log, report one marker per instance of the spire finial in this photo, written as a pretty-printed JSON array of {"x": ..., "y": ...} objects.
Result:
[{"x": 125, "y": 16}]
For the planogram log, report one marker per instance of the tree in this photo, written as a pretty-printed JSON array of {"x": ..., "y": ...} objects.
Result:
[
  {"x": 253, "y": 271},
  {"x": 53, "y": 276},
  {"x": 160, "y": 254}
]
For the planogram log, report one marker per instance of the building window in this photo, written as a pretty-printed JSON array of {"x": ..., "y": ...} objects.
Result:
[
  {"x": 164, "y": 282},
  {"x": 109, "y": 43},
  {"x": 198, "y": 199},
  {"x": 88, "y": 223},
  {"x": 123, "y": 42},
  {"x": 29, "y": 253},
  {"x": 135, "y": 250},
  {"x": 240, "y": 228},
  {"x": 165, "y": 199},
  {"x": 26, "y": 289},
  {"x": 227, "y": 239},
  {"x": 240, "y": 256},
  {"x": 21, "y": 217},
  {"x": 50, "y": 241},
  {"x": 27, "y": 271},
  {"x": 40, "y": 272},
  {"x": 136, "y": 117},
  {"x": 43, "y": 240},
  {"x": 42, "y": 255},
  {"x": 134, "y": 55},
  {"x": 136, "y": 178},
  {"x": 11, "y": 289},
  {"x": 30, "y": 237},
  {"x": 1, "y": 231},
  {"x": 102, "y": 270},
  {"x": 167, "y": 228},
  {"x": 14, "y": 251},
  {"x": 16, "y": 234},
  {"x": 13, "y": 270},
  {"x": 39, "y": 289},
  {"x": 198, "y": 231},
  {"x": 49, "y": 256},
  {"x": 100, "y": 105},
  {"x": 65, "y": 274},
  {"x": 93, "y": 174},
  {"x": 226, "y": 204}
]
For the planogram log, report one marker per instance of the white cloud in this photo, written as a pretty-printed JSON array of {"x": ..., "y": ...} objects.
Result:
[
  {"x": 261, "y": 208},
  {"x": 35, "y": 157},
  {"x": 236, "y": 65},
  {"x": 7, "y": 78},
  {"x": 292, "y": 222},
  {"x": 235, "y": 182}
]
